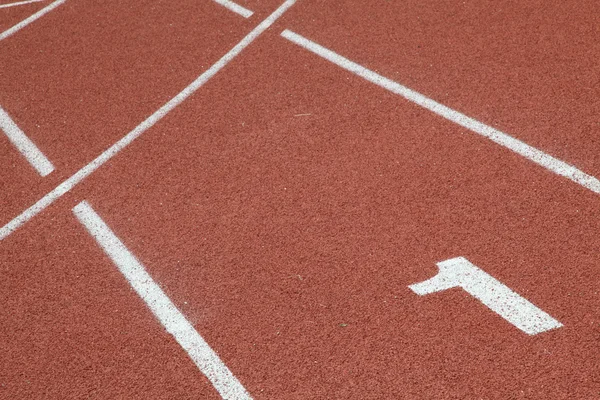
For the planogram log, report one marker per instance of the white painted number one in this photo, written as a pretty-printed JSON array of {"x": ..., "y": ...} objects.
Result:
[{"x": 459, "y": 272}]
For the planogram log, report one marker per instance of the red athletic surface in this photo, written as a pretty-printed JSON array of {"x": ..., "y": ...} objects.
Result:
[{"x": 289, "y": 240}]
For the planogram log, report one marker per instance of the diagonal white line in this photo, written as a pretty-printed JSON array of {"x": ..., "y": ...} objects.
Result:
[
  {"x": 19, "y": 3},
  {"x": 26, "y": 147},
  {"x": 161, "y": 306},
  {"x": 529, "y": 152},
  {"x": 109, "y": 153},
  {"x": 236, "y": 8},
  {"x": 30, "y": 19}
]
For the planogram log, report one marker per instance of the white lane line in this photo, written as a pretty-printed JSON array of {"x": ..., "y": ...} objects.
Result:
[
  {"x": 19, "y": 3},
  {"x": 68, "y": 184},
  {"x": 161, "y": 306},
  {"x": 25, "y": 146},
  {"x": 531, "y": 153},
  {"x": 30, "y": 19},
  {"x": 236, "y": 8},
  {"x": 460, "y": 272}
]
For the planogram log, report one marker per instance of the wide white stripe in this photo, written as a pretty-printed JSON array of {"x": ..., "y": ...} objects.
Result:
[
  {"x": 236, "y": 8},
  {"x": 30, "y": 19},
  {"x": 161, "y": 306},
  {"x": 68, "y": 184},
  {"x": 25, "y": 146},
  {"x": 460, "y": 272},
  {"x": 531, "y": 153},
  {"x": 19, "y": 3}
]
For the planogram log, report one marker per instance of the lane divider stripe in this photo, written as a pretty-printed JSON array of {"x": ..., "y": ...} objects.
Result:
[
  {"x": 236, "y": 8},
  {"x": 529, "y": 152},
  {"x": 30, "y": 19},
  {"x": 80, "y": 175},
  {"x": 19, "y": 3},
  {"x": 26, "y": 147},
  {"x": 161, "y": 306}
]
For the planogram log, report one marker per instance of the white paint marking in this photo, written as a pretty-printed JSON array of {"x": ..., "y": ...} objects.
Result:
[
  {"x": 161, "y": 306},
  {"x": 141, "y": 128},
  {"x": 19, "y": 3},
  {"x": 25, "y": 146},
  {"x": 459, "y": 272},
  {"x": 531, "y": 153},
  {"x": 30, "y": 19},
  {"x": 236, "y": 8}
]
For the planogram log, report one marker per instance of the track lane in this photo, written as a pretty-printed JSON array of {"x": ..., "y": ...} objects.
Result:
[
  {"x": 71, "y": 328},
  {"x": 289, "y": 224},
  {"x": 528, "y": 69},
  {"x": 292, "y": 226}
]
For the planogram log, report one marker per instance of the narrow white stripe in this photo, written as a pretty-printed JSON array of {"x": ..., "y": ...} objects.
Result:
[
  {"x": 141, "y": 128},
  {"x": 25, "y": 146},
  {"x": 19, "y": 3},
  {"x": 30, "y": 19},
  {"x": 531, "y": 153},
  {"x": 161, "y": 306},
  {"x": 236, "y": 8}
]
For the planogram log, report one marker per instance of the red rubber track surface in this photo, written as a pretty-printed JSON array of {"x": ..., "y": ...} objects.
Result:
[{"x": 287, "y": 205}]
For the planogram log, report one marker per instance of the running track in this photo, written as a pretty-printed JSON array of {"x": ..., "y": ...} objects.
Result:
[{"x": 236, "y": 202}]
